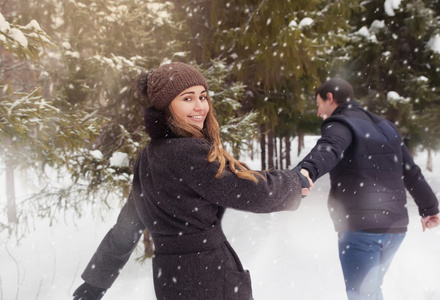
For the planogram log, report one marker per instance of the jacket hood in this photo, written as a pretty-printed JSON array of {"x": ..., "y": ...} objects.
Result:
[{"x": 156, "y": 125}]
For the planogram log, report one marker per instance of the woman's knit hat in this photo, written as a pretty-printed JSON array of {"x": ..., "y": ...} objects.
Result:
[{"x": 167, "y": 81}]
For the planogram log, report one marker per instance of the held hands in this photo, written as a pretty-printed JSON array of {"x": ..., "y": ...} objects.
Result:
[
  {"x": 306, "y": 192},
  {"x": 306, "y": 182},
  {"x": 430, "y": 222},
  {"x": 88, "y": 292}
]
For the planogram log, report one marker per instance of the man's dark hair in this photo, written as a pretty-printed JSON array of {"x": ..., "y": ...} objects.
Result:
[{"x": 342, "y": 91}]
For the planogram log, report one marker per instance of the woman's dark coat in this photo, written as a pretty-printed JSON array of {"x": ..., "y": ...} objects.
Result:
[{"x": 176, "y": 196}]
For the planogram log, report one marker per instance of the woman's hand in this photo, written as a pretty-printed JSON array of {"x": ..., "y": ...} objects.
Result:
[{"x": 88, "y": 292}]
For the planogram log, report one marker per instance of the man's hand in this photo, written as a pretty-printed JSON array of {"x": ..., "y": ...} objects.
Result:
[
  {"x": 306, "y": 173},
  {"x": 306, "y": 182},
  {"x": 430, "y": 222}
]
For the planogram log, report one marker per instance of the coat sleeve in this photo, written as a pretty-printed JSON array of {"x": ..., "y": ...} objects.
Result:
[
  {"x": 328, "y": 151},
  {"x": 417, "y": 186},
  {"x": 281, "y": 189},
  {"x": 116, "y": 247}
]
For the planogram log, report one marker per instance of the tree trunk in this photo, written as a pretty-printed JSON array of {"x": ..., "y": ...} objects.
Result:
[
  {"x": 287, "y": 152},
  {"x": 275, "y": 153},
  {"x": 281, "y": 154},
  {"x": 270, "y": 152},
  {"x": 263, "y": 147},
  {"x": 300, "y": 142},
  {"x": 10, "y": 193},
  {"x": 429, "y": 161}
]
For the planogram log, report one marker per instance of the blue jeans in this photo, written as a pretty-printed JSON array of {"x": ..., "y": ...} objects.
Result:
[{"x": 365, "y": 258}]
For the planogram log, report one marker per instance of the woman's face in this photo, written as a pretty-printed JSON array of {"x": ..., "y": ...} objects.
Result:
[{"x": 191, "y": 106}]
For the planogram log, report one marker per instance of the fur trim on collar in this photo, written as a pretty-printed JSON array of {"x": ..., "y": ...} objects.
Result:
[{"x": 156, "y": 125}]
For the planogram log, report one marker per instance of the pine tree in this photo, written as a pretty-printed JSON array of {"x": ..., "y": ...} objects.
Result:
[
  {"x": 276, "y": 48},
  {"x": 15, "y": 42},
  {"x": 90, "y": 76},
  {"x": 101, "y": 71},
  {"x": 237, "y": 129},
  {"x": 103, "y": 45},
  {"x": 394, "y": 68},
  {"x": 33, "y": 131}
]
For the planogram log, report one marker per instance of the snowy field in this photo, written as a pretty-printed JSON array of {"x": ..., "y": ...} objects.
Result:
[{"x": 291, "y": 255}]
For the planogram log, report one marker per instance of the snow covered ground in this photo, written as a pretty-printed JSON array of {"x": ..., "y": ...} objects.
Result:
[{"x": 291, "y": 255}]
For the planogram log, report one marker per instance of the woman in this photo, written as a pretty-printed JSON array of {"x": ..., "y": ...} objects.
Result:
[{"x": 183, "y": 181}]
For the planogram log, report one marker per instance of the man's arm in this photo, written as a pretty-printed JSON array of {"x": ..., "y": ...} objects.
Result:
[
  {"x": 328, "y": 151},
  {"x": 417, "y": 186}
]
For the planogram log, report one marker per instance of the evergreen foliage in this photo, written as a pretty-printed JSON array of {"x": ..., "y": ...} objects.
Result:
[
  {"x": 393, "y": 66},
  {"x": 237, "y": 129},
  {"x": 277, "y": 48},
  {"x": 102, "y": 46},
  {"x": 33, "y": 131},
  {"x": 109, "y": 43},
  {"x": 263, "y": 61},
  {"x": 26, "y": 42}
]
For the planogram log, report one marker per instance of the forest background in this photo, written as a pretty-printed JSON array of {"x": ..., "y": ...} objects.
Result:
[{"x": 67, "y": 99}]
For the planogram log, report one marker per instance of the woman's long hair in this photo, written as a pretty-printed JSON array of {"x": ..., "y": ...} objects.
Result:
[{"x": 211, "y": 132}]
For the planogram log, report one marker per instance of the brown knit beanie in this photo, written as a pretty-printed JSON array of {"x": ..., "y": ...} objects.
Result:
[{"x": 167, "y": 81}]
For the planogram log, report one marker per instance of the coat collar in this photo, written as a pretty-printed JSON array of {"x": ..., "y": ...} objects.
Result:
[
  {"x": 346, "y": 105},
  {"x": 156, "y": 125}
]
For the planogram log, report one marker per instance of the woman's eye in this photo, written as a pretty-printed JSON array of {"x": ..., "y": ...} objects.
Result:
[
  {"x": 187, "y": 99},
  {"x": 203, "y": 97}
]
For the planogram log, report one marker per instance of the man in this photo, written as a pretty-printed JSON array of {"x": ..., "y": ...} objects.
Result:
[{"x": 370, "y": 168}]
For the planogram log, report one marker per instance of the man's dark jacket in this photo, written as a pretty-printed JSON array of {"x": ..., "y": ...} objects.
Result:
[
  {"x": 370, "y": 168},
  {"x": 176, "y": 196}
]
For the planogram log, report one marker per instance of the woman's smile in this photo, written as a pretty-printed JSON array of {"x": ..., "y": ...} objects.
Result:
[{"x": 191, "y": 106}]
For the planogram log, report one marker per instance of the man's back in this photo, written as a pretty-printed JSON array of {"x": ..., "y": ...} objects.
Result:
[{"x": 367, "y": 190}]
